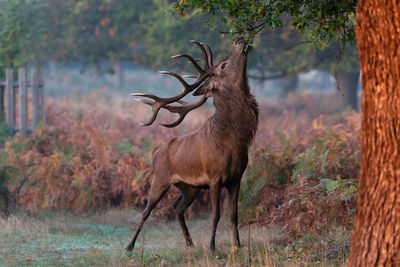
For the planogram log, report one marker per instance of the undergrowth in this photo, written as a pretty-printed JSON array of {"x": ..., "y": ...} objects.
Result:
[
  {"x": 92, "y": 155},
  {"x": 307, "y": 179}
]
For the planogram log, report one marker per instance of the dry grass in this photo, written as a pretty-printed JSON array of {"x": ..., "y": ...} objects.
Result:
[
  {"x": 45, "y": 239},
  {"x": 93, "y": 155}
]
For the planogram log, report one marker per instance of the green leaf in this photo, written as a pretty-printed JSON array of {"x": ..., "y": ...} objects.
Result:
[{"x": 323, "y": 161}]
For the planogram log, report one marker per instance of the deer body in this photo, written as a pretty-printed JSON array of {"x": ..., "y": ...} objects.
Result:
[
  {"x": 214, "y": 156},
  {"x": 215, "y": 150}
]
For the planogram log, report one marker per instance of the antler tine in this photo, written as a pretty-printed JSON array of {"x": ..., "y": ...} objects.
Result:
[
  {"x": 209, "y": 54},
  {"x": 183, "y": 111},
  {"x": 190, "y": 76},
  {"x": 148, "y": 102},
  {"x": 204, "y": 53},
  {"x": 207, "y": 57},
  {"x": 155, "y": 105},
  {"x": 156, "y": 108},
  {"x": 180, "y": 79},
  {"x": 188, "y": 87},
  {"x": 159, "y": 102},
  {"x": 192, "y": 60},
  {"x": 145, "y": 95}
]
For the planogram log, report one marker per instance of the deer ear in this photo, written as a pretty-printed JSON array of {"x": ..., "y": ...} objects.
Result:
[{"x": 204, "y": 89}]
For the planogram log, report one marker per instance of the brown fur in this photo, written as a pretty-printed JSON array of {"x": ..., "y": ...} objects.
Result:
[{"x": 215, "y": 155}]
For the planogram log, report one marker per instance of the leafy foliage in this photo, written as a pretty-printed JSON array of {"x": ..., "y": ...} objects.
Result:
[
  {"x": 280, "y": 52},
  {"x": 321, "y": 20},
  {"x": 99, "y": 30},
  {"x": 166, "y": 34},
  {"x": 23, "y": 32},
  {"x": 281, "y": 32}
]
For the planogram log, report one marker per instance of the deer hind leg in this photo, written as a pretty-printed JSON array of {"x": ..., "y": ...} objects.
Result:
[
  {"x": 157, "y": 191},
  {"x": 233, "y": 195},
  {"x": 188, "y": 195},
  {"x": 215, "y": 193}
]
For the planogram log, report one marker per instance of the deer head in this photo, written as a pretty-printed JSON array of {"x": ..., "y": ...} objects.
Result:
[{"x": 229, "y": 74}]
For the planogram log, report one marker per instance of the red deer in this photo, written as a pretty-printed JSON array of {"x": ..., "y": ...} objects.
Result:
[{"x": 214, "y": 156}]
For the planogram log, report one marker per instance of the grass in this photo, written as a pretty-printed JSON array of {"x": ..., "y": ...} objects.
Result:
[{"x": 65, "y": 239}]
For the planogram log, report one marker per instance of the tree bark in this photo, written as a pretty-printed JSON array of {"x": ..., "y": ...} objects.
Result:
[
  {"x": 348, "y": 83},
  {"x": 375, "y": 239}
]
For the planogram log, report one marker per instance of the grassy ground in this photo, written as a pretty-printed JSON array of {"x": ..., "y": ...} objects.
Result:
[{"x": 63, "y": 239}]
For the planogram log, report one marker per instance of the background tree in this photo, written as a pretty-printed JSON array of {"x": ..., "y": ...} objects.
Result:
[
  {"x": 165, "y": 35},
  {"x": 103, "y": 33},
  {"x": 343, "y": 62},
  {"x": 280, "y": 54},
  {"x": 23, "y": 33},
  {"x": 100, "y": 31},
  {"x": 283, "y": 53}
]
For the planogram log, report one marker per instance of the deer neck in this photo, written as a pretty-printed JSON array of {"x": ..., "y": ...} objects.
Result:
[{"x": 236, "y": 117}]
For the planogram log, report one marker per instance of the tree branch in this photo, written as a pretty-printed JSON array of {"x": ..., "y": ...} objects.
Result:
[{"x": 272, "y": 77}]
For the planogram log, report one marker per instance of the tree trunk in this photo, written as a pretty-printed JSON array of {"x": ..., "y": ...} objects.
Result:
[
  {"x": 375, "y": 239},
  {"x": 119, "y": 75},
  {"x": 288, "y": 84},
  {"x": 1, "y": 102},
  {"x": 348, "y": 83}
]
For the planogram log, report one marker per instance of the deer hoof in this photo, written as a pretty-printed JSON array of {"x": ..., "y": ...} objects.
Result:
[{"x": 129, "y": 248}]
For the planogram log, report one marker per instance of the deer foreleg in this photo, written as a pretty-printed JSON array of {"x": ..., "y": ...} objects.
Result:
[
  {"x": 233, "y": 194},
  {"x": 215, "y": 193}
]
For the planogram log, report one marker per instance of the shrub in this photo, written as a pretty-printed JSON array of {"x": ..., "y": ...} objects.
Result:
[
  {"x": 302, "y": 170},
  {"x": 7, "y": 200},
  {"x": 304, "y": 178}
]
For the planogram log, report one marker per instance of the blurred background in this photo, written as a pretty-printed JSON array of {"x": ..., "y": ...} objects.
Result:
[
  {"x": 89, "y": 152},
  {"x": 84, "y": 45}
]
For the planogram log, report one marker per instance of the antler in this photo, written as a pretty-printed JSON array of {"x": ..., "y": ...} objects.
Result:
[
  {"x": 157, "y": 102},
  {"x": 183, "y": 111}
]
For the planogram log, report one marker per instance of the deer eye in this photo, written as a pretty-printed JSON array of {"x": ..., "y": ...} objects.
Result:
[{"x": 223, "y": 66}]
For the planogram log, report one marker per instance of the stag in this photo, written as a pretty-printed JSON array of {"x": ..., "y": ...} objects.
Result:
[{"x": 214, "y": 156}]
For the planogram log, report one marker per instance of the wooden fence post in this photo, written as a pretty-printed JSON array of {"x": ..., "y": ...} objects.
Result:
[
  {"x": 35, "y": 96},
  {"x": 10, "y": 100},
  {"x": 38, "y": 99},
  {"x": 23, "y": 101}
]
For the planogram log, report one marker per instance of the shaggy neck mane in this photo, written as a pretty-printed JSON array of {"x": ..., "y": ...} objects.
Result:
[{"x": 236, "y": 117}]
